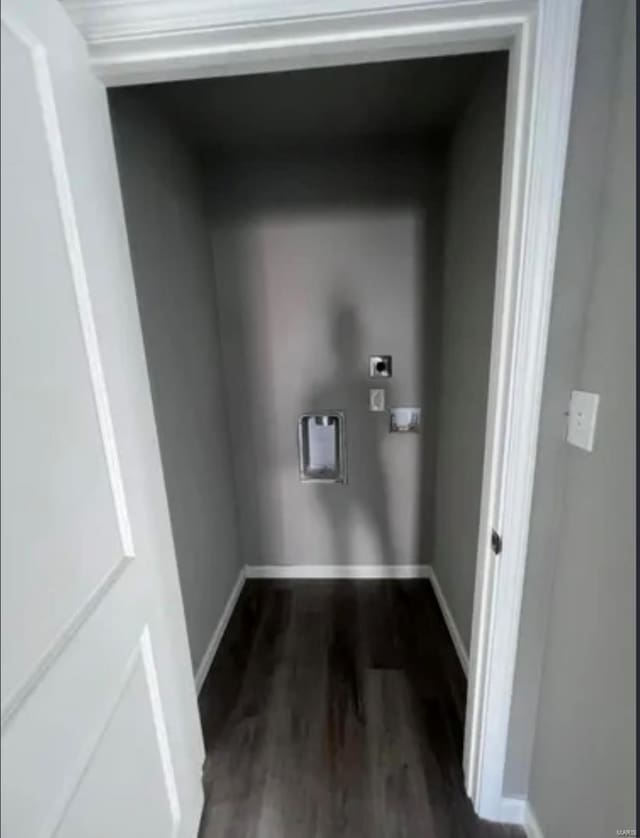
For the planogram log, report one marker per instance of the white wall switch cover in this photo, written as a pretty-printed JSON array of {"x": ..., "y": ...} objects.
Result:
[
  {"x": 583, "y": 411},
  {"x": 376, "y": 400}
]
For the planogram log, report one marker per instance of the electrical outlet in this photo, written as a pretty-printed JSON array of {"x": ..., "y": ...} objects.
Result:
[
  {"x": 377, "y": 400},
  {"x": 583, "y": 412}
]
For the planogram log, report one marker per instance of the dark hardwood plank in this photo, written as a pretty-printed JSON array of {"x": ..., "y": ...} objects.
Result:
[
  {"x": 221, "y": 688},
  {"x": 398, "y": 788},
  {"x": 336, "y": 710},
  {"x": 347, "y": 810},
  {"x": 293, "y": 794},
  {"x": 236, "y": 767}
]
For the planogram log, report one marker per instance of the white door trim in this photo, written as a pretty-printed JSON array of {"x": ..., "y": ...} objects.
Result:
[{"x": 159, "y": 40}]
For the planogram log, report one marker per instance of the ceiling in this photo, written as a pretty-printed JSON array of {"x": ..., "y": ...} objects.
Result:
[{"x": 390, "y": 101}]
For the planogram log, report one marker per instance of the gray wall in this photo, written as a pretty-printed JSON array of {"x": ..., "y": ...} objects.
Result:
[
  {"x": 164, "y": 202},
  {"x": 586, "y": 172},
  {"x": 320, "y": 262},
  {"x": 471, "y": 230},
  {"x": 583, "y": 770}
]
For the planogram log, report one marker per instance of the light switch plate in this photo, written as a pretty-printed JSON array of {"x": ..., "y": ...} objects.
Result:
[
  {"x": 583, "y": 412},
  {"x": 377, "y": 401}
]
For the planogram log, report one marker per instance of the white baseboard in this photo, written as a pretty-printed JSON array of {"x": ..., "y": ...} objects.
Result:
[
  {"x": 357, "y": 571},
  {"x": 207, "y": 659},
  {"x": 325, "y": 571},
  {"x": 512, "y": 810},
  {"x": 517, "y": 810},
  {"x": 531, "y": 825},
  {"x": 458, "y": 643},
  {"x": 360, "y": 571},
  {"x": 367, "y": 571}
]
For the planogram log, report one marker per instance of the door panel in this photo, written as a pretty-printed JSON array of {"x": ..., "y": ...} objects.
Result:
[
  {"x": 49, "y": 398},
  {"x": 100, "y": 734},
  {"x": 141, "y": 798},
  {"x": 60, "y": 729}
]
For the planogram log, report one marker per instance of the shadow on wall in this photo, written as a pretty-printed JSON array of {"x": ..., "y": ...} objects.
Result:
[
  {"x": 320, "y": 261},
  {"x": 367, "y": 496}
]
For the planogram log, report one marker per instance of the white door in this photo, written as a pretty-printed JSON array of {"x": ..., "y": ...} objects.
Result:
[{"x": 100, "y": 733}]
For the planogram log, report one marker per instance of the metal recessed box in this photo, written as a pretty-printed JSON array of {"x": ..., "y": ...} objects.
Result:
[
  {"x": 379, "y": 366},
  {"x": 404, "y": 420},
  {"x": 322, "y": 447}
]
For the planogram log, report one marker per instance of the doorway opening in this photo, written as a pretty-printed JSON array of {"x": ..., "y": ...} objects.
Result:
[{"x": 285, "y": 229}]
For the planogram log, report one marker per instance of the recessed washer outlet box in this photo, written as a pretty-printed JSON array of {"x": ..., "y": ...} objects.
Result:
[{"x": 322, "y": 447}]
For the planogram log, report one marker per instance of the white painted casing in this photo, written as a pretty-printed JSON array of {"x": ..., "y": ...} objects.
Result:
[{"x": 160, "y": 40}]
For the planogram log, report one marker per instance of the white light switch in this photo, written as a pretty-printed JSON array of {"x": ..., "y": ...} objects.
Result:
[
  {"x": 583, "y": 411},
  {"x": 376, "y": 400}
]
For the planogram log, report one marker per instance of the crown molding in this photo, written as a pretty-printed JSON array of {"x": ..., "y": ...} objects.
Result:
[
  {"x": 145, "y": 41},
  {"x": 107, "y": 20}
]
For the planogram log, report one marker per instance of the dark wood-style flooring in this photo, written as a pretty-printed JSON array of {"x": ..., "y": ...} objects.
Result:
[{"x": 337, "y": 709}]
